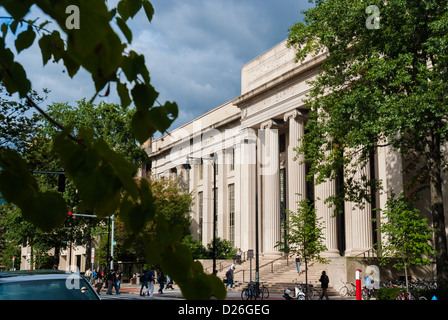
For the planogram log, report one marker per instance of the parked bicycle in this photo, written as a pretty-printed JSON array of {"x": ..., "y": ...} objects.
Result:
[
  {"x": 413, "y": 292},
  {"x": 367, "y": 293},
  {"x": 347, "y": 290},
  {"x": 251, "y": 292}
]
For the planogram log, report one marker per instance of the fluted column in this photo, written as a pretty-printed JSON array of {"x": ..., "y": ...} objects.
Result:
[
  {"x": 271, "y": 229},
  {"x": 358, "y": 220},
  {"x": 245, "y": 159},
  {"x": 296, "y": 170},
  {"x": 326, "y": 212}
]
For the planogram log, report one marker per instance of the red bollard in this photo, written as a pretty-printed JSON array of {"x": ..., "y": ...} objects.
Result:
[{"x": 358, "y": 285}]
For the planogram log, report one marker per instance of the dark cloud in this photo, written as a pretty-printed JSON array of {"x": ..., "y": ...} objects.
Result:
[{"x": 194, "y": 50}]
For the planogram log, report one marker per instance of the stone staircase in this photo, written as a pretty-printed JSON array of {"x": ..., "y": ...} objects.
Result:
[{"x": 275, "y": 273}]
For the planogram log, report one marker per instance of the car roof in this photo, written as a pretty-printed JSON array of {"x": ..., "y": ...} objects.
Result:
[{"x": 31, "y": 275}]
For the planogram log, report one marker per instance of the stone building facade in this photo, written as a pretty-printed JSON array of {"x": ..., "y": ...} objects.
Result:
[{"x": 252, "y": 139}]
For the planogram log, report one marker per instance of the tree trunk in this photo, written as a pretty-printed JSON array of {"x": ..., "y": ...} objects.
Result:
[{"x": 440, "y": 239}]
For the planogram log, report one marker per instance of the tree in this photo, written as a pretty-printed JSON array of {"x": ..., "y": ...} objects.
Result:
[
  {"x": 304, "y": 236},
  {"x": 407, "y": 235},
  {"x": 173, "y": 204},
  {"x": 104, "y": 179},
  {"x": 383, "y": 83},
  {"x": 109, "y": 121}
]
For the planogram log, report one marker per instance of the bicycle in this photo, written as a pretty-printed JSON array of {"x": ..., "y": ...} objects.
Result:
[
  {"x": 367, "y": 293},
  {"x": 251, "y": 292},
  {"x": 347, "y": 291}
]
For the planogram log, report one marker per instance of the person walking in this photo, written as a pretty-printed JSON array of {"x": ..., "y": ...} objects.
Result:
[
  {"x": 99, "y": 281},
  {"x": 94, "y": 275},
  {"x": 143, "y": 282},
  {"x": 115, "y": 282},
  {"x": 118, "y": 275},
  {"x": 298, "y": 264},
  {"x": 161, "y": 281},
  {"x": 229, "y": 276},
  {"x": 88, "y": 275},
  {"x": 110, "y": 281},
  {"x": 324, "y": 280},
  {"x": 150, "y": 290}
]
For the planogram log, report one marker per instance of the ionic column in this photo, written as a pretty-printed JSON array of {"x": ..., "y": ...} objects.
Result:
[
  {"x": 296, "y": 170},
  {"x": 358, "y": 220},
  {"x": 326, "y": 212},
  {"x": 271, "y": 229},
  {"x": 245, "y": 160}
]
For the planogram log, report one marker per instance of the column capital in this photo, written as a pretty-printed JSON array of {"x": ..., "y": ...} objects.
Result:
[
  {"x": 294, "y": 114},
  {"x": 270, "y": 124}
]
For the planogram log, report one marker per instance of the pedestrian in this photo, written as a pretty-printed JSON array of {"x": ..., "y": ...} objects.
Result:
[
  {"x": 238, "y": 256},
  {"x": 169, "y": 283},
  {"x": 119, "y": 275},
  {"x": 143, "y": 282},
  {"x": 161, "y": 281},
  {"x": 298, "y": 264},
  {"x": 94, "y": 275},
  {"x": 324, "y": 280},
  {"x": 229, "y": 276},
  {"x": 150, "y": 278},
  {"x": 115, "y": 282},
  {"x": 99, "y": 282},
  {"x": 110, "y": 281},
  {"x": 88, "y": 275}
]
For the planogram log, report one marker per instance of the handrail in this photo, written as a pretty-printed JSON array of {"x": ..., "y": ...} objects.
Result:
[{"x": 368, "y": 251}]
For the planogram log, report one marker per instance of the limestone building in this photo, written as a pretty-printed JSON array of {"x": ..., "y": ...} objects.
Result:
[{"x": 251, "y": 139}]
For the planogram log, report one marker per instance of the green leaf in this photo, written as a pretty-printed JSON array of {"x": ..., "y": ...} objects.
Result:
[
  {"x": 71, "y": 65},
  {"x": 99, "y": 173},
  {"x": 135, "y": 214},
  {"x": 149, "y": 9},
  {"x": 52, "y": 45},
  {"x": 17, "y": 9},
  {"x": 142, "y": 126},
  {"x": 125, "y": 29},
  {"x": 25, "y": 39},
  {"x": 123, "y": 93},
  {"x": 144, "y": 96},
  {"x": 128, "y": 8},
  {"x": 17, "y": 184},
  {"x": 133, "y": 65},
  {"x": 15, "y": 80},
  {"x": 46, "y": 210}
]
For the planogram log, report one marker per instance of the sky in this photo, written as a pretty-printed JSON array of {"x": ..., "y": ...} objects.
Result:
[{"x": 194, "y": 50}]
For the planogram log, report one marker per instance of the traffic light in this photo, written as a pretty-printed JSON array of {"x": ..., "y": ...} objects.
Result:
[{"x": 70, "y": 216}]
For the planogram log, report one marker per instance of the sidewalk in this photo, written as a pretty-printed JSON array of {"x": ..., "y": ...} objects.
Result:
[{"x": 177, "y": 294}]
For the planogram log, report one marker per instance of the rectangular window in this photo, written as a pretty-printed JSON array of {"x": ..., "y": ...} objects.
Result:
[
  {"x": 232, "y": 214},
  {"x": 231, "y": 157},
  {"x": 200, "y": 213},
  {"x": 215, "y": 197},
  {"x": 201, "y": 171}
]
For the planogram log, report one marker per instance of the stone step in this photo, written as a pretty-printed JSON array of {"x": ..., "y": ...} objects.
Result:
[{"x": 275, "y": 274}]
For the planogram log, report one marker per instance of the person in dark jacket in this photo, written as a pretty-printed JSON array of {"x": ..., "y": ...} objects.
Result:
[{"x": 324, "y": 280}]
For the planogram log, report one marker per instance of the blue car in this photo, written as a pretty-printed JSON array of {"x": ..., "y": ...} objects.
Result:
[{"x": 45, "y": 285}]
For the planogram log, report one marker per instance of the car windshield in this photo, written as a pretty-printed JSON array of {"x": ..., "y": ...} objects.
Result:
[{"x": 49, "y": 289}]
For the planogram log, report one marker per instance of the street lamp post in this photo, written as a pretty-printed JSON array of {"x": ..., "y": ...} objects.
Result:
[
  {"x": 188, "y": 167},
  {"x": 110, "y": 233}
]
